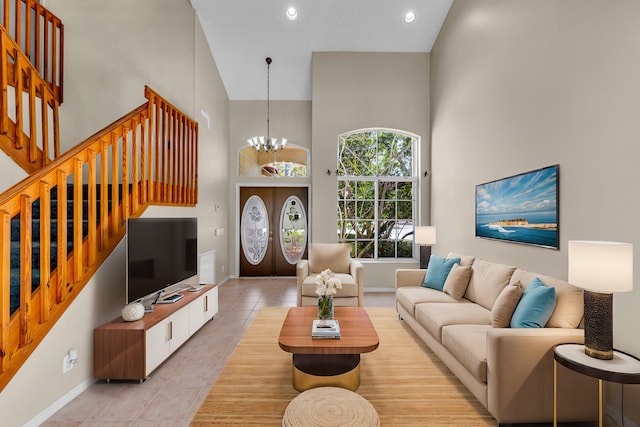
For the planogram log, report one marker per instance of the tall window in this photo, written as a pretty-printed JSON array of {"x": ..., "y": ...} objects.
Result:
[{"x": 377, "y": 192}]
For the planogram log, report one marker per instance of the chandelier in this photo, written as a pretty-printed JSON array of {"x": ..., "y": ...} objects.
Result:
[{"x": 262, "y": 143}]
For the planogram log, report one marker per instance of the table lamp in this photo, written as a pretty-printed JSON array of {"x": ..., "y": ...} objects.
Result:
[
  {"x": 600, "y": 268},
  {"x": 425, "y": 237}
]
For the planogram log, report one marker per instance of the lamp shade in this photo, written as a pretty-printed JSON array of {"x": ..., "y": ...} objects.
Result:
[
  {"x": 426, "y": 235},
  {"x": 601, "y": 266}
]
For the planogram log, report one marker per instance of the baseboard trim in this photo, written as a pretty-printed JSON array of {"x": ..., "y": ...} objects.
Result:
[{"x": 59, "y": 404}]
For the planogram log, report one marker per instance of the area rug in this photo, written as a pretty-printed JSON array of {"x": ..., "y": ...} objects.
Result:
[{"x": 406, "y": 383}]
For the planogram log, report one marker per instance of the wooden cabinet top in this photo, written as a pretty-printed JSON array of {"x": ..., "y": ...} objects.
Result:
[{"x": 160, "y": 312}]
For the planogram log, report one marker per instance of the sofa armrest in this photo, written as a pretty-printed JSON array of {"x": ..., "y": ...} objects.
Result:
[
  {"x": 356, "y": 270},
  {"x": 302, "y": 271},
  {"x": 409, "y": 277},
  {"x": 520, "y": 376}
]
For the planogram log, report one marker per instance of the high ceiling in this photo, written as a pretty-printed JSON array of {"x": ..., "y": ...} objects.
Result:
[{"x": 242, "y": 33}]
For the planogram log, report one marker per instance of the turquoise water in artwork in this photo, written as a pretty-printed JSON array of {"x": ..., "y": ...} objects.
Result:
[{"x": 534, "y": 236}]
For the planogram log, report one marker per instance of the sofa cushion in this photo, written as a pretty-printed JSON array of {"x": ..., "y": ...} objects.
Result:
[
  {"x": 349, "y": 286},
  {"x": 569, "y": 308},
  {"x": 468, "y": 344},
  {"x": 535, "y": 307},
  {"x": 409, "y": 296},
  {"x": 487, "y": 281},
  {"x": 335, "y": 256},
  {"x": 457, "y": 281},
  {"x": 438, "y": 271},
  {"x": 434, "y": 316},
  {"x": 505, "y": 305},
  {"x": 464, "y": 259}
]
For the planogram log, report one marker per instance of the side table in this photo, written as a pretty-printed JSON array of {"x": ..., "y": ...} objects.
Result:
[{"x": 622, "y": 369}]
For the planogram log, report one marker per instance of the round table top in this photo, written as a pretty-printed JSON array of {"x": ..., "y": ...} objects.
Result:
[{"x": 623, "y": 368}]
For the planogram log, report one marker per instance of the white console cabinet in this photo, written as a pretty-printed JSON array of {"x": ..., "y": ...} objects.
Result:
[{"x": 132, "y": 350}]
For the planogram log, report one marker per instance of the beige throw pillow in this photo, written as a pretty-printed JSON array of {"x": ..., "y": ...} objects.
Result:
[
  {"x": 505, "y": 305},
  {"x": 457, "y": 281}
]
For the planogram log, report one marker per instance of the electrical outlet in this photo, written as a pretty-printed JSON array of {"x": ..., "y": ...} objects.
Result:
[
  {"x": 223, "y": 268},
  {"x": 67, "y": 364}
]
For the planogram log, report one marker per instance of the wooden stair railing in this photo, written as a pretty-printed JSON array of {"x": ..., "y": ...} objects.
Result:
[
  {"x": 29, "y": 131},
  {"x": 40, "y": 35},
  {"x": 149, "y": 156}
]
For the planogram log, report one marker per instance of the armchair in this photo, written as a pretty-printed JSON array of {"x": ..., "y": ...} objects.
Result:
[{"x": 336, "y": 257}]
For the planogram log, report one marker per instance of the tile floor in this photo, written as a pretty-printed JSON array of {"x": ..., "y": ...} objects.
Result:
[{"x": 174, "y": 392}]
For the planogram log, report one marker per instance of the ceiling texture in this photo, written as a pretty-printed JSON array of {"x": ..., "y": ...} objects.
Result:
[{"x": 243, "y": 33}]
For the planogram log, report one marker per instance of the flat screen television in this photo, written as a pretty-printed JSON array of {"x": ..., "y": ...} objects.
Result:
[{"x": 160, "y": 252}]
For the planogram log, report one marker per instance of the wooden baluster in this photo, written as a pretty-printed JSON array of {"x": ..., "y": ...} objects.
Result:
[
  {"x": 38, "y": 44},
  {"x": 144, "y": 161},
  {"x": 104, "y": 196},
  {"x": 45, "y": 69},
  {"x": 18, "y": 97},
  {"x": 27, "y": 30},
  {"x": 25, "y": 269},
  {"x": 17, "y": 33},
  {"x": 115, "y": 202},
  {"x": 44, "y": 112},
  {"x": 33, "y": 137},
  {"x": 157, "y": 142},
  {"x": 5, "y": 295},
  {"x": 175, "y": 147},
  {"x": 4, "y": 113},
  {"x": 61, "y": 268},
  {"x": 183, "y": 160},
  {"x": 56, "y": 129},
  {"x": 135, "y": 156},
  {"x": 45, "y": 250},
  {"x": 125, "y": 175},
  {"x": 77, "y": 220},
  {"x": 195, "y": 165},
  {"x": 92, "y": 209}
]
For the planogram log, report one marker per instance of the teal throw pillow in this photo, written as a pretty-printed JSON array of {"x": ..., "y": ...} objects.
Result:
[
  {"x": 438, "y": 271},
  {"x": 535, "y": 306}
]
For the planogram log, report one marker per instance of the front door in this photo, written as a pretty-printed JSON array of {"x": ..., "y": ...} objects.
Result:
[{"x": 273, "y": 230}]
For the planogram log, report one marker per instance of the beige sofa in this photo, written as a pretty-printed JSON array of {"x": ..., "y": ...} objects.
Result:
[{"x": 509, "y": 370}]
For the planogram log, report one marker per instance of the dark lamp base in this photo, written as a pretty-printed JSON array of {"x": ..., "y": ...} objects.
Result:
[
  {"x": 598, "y": 325},
  {"x": 425, "y": 254}
]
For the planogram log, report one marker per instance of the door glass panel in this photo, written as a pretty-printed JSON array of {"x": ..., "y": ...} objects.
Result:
[
  {"x": 254, "y": 228},
  {"x": 293, "y": 230}
]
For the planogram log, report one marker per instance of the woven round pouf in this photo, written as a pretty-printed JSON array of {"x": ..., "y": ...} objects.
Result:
[{"x": 330, "y": 407}]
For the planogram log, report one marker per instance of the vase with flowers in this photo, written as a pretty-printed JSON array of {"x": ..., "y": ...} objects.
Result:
[{"x": 327, "y": 286}]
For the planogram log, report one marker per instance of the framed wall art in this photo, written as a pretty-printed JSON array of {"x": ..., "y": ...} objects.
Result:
[{"x": 521, "y": 209}]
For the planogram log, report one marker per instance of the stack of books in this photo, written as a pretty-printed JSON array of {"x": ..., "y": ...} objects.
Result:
[{"x": 325, "y": 329}]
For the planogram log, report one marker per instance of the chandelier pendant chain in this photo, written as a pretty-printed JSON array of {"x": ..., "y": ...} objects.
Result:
[{"x": 268, "y": 90}]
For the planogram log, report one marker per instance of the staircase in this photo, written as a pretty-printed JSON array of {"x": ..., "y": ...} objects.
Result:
[{"x": 59, "y": 224}]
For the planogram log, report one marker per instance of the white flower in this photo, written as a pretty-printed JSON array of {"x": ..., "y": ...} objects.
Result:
[{"x": 327, "y": 284}]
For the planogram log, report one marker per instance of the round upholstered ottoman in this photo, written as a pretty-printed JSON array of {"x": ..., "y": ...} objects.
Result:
[{"x": 329, "y": 407}]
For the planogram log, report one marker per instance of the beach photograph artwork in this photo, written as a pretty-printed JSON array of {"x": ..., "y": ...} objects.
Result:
[{"x": 522, "y": 208}]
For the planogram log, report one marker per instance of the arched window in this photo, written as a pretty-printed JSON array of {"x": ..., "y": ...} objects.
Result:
[
  {"x": 289, "y": 162},
  {"x": 377, "y": 193}
]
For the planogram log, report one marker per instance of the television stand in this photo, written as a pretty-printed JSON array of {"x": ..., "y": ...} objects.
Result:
[
  {"x": 132, "y": 350},
  {"x": 171, "y": 299}
]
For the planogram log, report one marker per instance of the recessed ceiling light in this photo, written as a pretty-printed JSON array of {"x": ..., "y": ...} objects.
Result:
[
  {"x": 292, "y": 14},
  {"x": 409, "y": 17}
]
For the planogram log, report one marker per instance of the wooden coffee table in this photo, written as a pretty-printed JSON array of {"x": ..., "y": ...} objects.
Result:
[{"x": 327, "y": 362}]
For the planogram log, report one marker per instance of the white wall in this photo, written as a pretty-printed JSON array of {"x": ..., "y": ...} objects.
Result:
[
  {"x": 112, "y": 50},
  {"x": 517, "y": 85},
  {"x": 362, "y": 90}
]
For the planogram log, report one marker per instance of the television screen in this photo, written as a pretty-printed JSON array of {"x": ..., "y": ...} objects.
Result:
[
  {"x": 160, "y": 252},
  {"x": 520, "y": 209}
]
